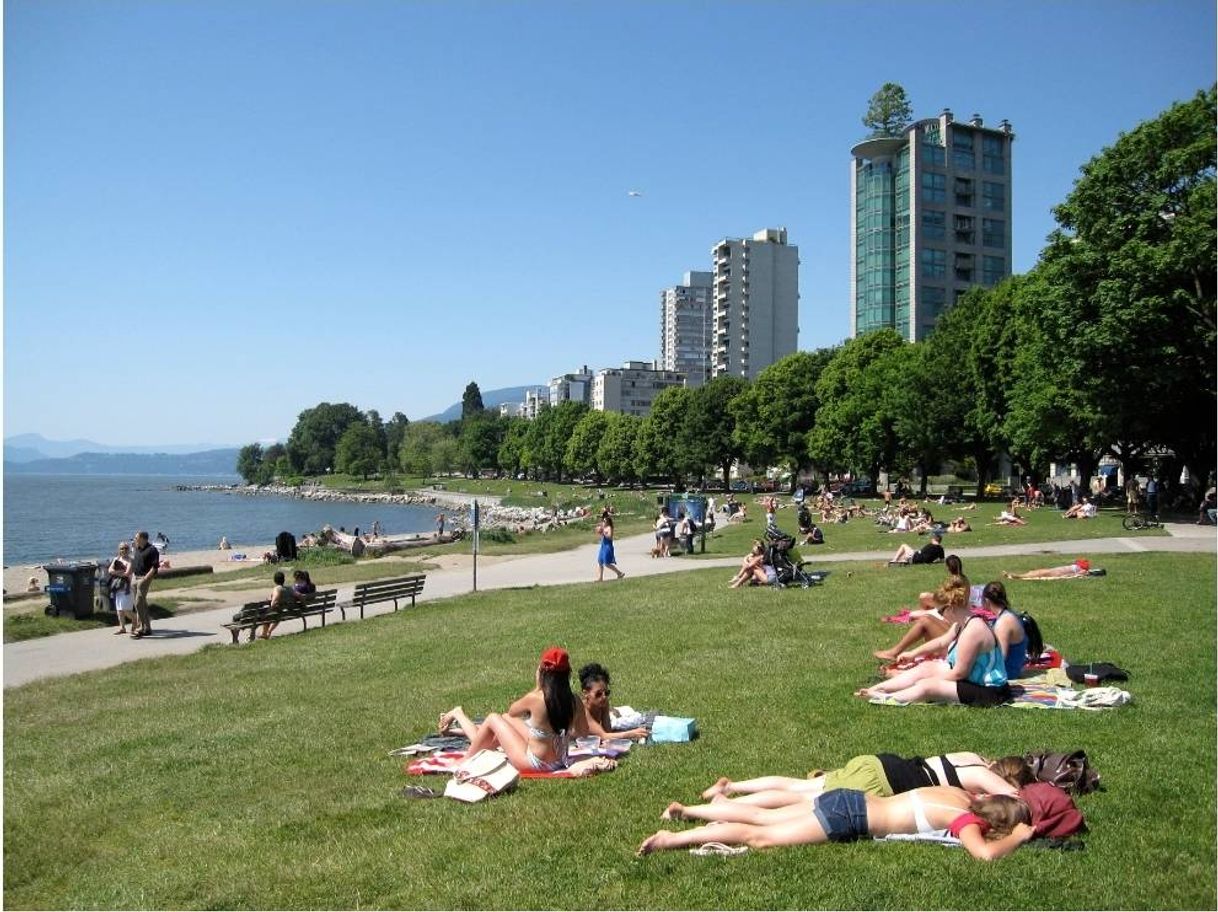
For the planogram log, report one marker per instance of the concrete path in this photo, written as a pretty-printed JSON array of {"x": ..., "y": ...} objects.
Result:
[{"x": 86, "y": 650}]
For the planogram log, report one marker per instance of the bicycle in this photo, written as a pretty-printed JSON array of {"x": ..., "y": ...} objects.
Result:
[{"x": 1135, "y": 521}]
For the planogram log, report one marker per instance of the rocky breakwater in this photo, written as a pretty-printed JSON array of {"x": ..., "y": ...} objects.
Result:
[{"x": 445, "y": 499}]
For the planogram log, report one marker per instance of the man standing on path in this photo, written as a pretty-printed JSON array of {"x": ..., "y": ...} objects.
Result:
[
  {"x": 1152, "y": 497},
  {"x": 145, "y": 561}
]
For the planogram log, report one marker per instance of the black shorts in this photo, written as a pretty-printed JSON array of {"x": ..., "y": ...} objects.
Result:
[{"x": 970, "y": 694}]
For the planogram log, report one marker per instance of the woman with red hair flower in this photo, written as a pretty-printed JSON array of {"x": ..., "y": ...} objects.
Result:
[{"x": 536, "y": 729}]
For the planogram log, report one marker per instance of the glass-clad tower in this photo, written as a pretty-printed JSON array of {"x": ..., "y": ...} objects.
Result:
[{"x": 930, "y": 219}]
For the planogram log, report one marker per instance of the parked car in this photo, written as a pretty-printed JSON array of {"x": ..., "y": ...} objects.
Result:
[{"x": 861, "y": 488}]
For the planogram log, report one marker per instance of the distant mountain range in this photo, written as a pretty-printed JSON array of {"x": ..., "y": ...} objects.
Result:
[
  {"x": 491, "y": 399},
  {"x": 35, "y": 454},
  {"x": 208, "y": 462},
  {"x": 28, "y": 447}
]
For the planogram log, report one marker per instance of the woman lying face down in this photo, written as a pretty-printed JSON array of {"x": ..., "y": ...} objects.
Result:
[{"x": 989, "y": 827}]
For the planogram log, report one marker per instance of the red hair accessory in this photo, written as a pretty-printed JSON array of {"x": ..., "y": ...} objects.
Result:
[
  {"x": 1083, "y": 564},
  {"x": 556, "y": 659}
]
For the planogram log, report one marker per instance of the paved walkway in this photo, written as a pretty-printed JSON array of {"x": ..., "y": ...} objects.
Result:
[{"x": 86, "y": 650}]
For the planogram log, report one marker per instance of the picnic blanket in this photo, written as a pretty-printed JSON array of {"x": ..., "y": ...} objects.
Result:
[
  {"x": 585, "y": 763},
  {"x": 1051, "y": 689}
]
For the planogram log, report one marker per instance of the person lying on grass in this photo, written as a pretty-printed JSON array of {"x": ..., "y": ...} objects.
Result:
[
  {"x": 1010, "y": 517},
  {"x": 594, "y": 681},
  {"x": 973, "y": 671},
  {"x": 989, "y": 827},
  {"x": 536, "y": 729},
  {"x": 1081, "y": 567},
  {"x": 882, "y": 775}
]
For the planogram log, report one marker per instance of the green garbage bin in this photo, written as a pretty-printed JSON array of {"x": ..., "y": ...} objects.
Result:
[{"x": 71, "y": 588}]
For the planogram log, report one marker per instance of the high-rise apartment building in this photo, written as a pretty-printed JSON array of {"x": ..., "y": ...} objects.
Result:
[
  {"x": 755, "y": 315},
  {"x": 930, "y": 218},
  {"x": 576, "y": 387},
  {"x": 632, "y": 388},
  {"x": 685, "y": 328}
]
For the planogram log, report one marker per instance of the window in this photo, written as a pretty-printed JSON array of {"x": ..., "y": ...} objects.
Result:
[
  {"x": 934, "y": 225},
  {"x": 933, "y": 152},
  {"x": 993, "y": 270},
  {"x": 962, "y": 150},
  {"x": 991, "y": 155},
  {"x": 963, "y": 267},
  {"x": 934, "y": 263},
  {"x": 963, "y": 190},
  {"x": 932, "y": 300},
  {"x": 963, "y": 227},
  {"x": 993, "y": 196},
  {"x": 934, "y": 187},
  {"x": 993, "y": 232}
]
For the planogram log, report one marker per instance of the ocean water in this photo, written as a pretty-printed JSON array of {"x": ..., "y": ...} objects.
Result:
[{"x": 85, "y": 516}]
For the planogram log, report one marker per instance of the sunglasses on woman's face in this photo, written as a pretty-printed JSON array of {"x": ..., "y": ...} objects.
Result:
[{"x": 600, "y": 693}]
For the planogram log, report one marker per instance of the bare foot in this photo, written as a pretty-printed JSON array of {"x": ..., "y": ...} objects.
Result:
[
  {"x": 674, "y": 811},
  {"x": 864, "y": 693},
  {"x": 448, "y": 719},
  {"x": 884, "y": 655},
  {"x": 719, "y": 788},
  {"x": 652, "y": 843}
]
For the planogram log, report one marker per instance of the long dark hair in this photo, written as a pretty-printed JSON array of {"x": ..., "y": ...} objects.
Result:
[
  {"x": 560, "y": 701},
  {"x": 996, "y": 594},
  {"x": 591, "y": 673}
]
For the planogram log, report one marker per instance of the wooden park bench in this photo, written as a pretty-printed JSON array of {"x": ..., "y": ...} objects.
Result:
[
  {"x": 254, "y": 614},
  {"x": 391, "y": 590}
]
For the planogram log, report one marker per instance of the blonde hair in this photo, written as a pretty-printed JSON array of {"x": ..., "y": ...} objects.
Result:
[
  {"x": 1001, "y": 812},
  {"x": 1014, "y": 770},
  {"x": 953, "y": 593}
]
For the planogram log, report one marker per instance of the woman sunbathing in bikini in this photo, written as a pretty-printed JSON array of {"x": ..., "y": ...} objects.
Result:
[
  {"x": 989, "y": 827},
  {"x": 536, "y": 729},
  {"x": 752, "y": 568},
  {"x": 882, "y": 775},
  {"x": 1081, "y": 567}
]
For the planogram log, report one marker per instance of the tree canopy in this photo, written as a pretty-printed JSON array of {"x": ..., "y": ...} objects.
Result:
[{"x": 888, "y": 111}]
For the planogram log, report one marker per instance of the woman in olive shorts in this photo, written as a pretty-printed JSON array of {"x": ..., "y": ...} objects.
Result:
[{"x": 882, "y": 775}]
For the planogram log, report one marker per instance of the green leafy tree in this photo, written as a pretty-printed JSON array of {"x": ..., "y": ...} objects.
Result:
[
  {"x": 855, "y": 425},
  {"x": 445, "y": 455},
  {"x": 657, "y": 447},
  {"x": 359, "y": 451},
  {"x": 313, "y": 440},
  {"x": 546, "y": 441},
  {"x": 249, "y": 463},
  {"x": 709, "y": 430},
  {"x": 1131, "y": 272},
  {"x": 774, "y": 415},
  {"x": 511, "y": 451},
  {"x": 888, "y": 111},
  {"x": 580, "y": 456},
  {"x": 418, "y": 444},
  {"x": 471, "y": 401},
  {"x": 395, "y": 431},
  {"x": 373, "y": 417},
  {"x": 481, "y": 436},
  {"x": 615, "y": 454}
]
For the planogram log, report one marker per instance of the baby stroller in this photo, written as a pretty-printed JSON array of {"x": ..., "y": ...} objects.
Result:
[{"x": 786, "y": 572}]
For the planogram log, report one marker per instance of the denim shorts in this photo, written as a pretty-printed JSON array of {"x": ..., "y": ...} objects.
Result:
[{"x": 843, "y": 814}]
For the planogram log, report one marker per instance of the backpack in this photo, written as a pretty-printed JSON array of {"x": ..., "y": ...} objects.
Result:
[
  {"x": 1069, "y": 772},
  {"x": 818, "y": 537},
  {"x": 1031, "y": 630}
]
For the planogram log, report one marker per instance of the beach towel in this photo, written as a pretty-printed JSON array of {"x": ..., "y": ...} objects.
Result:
[{"x": 584, "y": 763}]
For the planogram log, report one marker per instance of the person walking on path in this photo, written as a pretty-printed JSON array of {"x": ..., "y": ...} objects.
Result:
[
  {"x": 120, "y": 588},
  {"x": 145, "y": 562},
  {"x": 605, "y": 556},
  {"x": 439, "y": 526}
]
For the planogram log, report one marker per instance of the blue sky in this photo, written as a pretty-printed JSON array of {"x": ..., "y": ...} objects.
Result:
[{"x": 218, "y": 214}]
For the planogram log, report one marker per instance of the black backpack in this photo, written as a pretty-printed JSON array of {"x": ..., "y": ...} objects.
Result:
[{"x": 1031, "y": 631}]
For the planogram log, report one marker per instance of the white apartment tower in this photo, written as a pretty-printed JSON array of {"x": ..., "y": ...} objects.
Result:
[
  {"x": 685, "y": 328},
  {"x": 755, "y": 313},
  {"x": 632, "y": 388}
]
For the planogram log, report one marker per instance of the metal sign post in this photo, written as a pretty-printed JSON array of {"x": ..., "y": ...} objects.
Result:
[{"x": 476, "y": 523}]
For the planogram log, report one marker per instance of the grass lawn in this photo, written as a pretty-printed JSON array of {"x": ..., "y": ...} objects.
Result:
[
  {"x": 862, "y": 534},
  {"x": 35, "y": 623},
  {"x": 256, "y": 777}
]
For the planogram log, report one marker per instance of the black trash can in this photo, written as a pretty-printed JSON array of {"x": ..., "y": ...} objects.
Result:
[{"x": 71, "y": 588}]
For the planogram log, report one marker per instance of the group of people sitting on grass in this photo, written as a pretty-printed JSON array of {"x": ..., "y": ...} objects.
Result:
[
  {"x": 992, "y": 807},
  {"x": 536, "y": 731}
]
